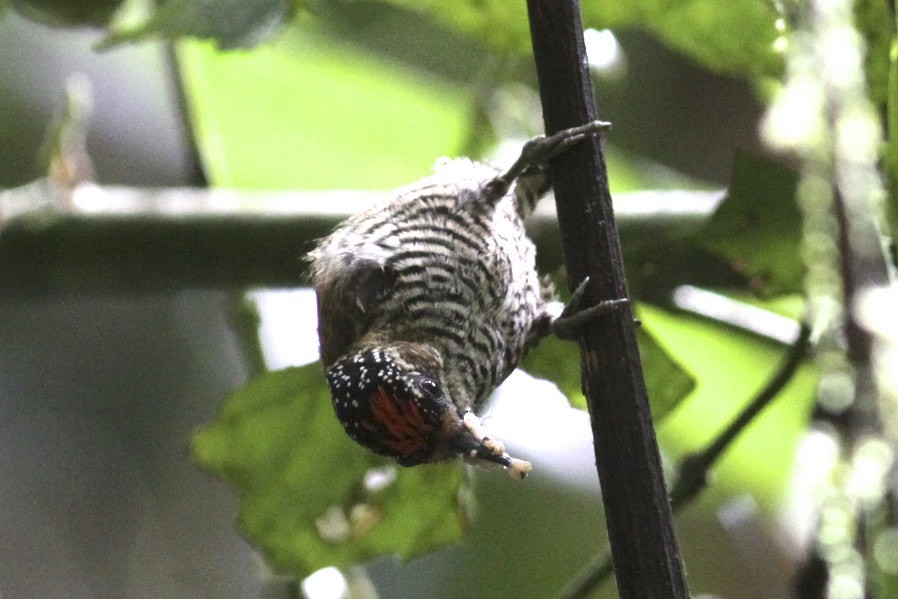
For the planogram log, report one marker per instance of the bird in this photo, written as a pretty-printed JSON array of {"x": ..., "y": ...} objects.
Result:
[{"x": 428, "y": 301}]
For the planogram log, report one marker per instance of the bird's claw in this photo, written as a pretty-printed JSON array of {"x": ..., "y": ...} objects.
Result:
[
  {"x": 540, "y": 150},
  {"x": 569, "y": 324}
]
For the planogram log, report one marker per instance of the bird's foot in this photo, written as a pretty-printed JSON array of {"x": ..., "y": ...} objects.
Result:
[
  {"x": 569, "y": 324},
  {"x": 541, "y": 149}
]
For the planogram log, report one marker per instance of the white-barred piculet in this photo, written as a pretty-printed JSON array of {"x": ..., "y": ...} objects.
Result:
[{"x": 427, "y": 302}]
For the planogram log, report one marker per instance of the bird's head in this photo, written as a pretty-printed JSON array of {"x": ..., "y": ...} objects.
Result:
[{"x": 391, "y": 399}]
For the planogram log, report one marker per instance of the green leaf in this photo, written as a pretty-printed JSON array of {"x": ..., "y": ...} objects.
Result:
[
  {"x": 66, "y": 13},
  {"x": 304, "y": 502},
  {"x": 231, "y": 23},
  {"x": 324, "y": 115},
  {"x": 757, "y": 228},
  {"x": 501, "y": 24},
  {"x": 730, "y": 367},
  {"x": 734, "y": 37},
  {"x": 559, "y": 362},
  {"x": 666, "y": 381}
]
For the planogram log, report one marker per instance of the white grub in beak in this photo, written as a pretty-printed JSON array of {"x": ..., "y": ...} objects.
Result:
[{"x": 479, "y": 448}]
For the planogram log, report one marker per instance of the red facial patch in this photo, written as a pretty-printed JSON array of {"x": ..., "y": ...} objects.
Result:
[{"x": 407, "y": 427}]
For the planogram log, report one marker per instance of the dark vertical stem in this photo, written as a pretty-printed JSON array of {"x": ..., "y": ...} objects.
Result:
[{"x": 640, "y": 528}]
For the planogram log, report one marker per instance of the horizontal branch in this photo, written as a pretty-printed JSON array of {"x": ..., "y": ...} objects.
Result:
[{"x": 99, "y": 239}]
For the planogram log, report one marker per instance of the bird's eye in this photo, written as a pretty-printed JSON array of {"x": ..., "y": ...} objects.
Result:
[{"x": 429, "y": 386}]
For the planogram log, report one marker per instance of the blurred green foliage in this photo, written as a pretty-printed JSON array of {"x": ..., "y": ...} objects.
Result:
[
  {"x": 735, "y": 37},
  {"x": 666, "y": 381},
  {"x": 730, "y": 367},
  {"x": 267, "y": 119},
  {"x": 876, "y": 23},
  {"x": 393, "y": 122},
  {"x": 758, "y": 227},
  {"x": 309, "y": 497},
  {"x": 328, "y": 115},
  {"x": 230, "y": 23},
  {"x": 66, "y": 13}
]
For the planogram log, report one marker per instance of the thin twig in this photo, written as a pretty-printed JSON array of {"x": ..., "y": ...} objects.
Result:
[
  {"x": 693, "y": 470},
  {"x": 692, "y": 474}
]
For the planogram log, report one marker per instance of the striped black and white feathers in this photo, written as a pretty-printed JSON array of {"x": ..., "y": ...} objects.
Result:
[{"x": 426, "y": 303}]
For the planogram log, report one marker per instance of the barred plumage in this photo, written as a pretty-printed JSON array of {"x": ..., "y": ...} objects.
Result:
[{"x": 427, "y": 302}]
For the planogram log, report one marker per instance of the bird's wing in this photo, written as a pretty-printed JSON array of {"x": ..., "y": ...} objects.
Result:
[{"x": 348, "y": 286}]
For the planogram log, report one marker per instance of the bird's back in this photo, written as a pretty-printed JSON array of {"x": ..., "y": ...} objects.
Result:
[{"x": 442, "y": 264}]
